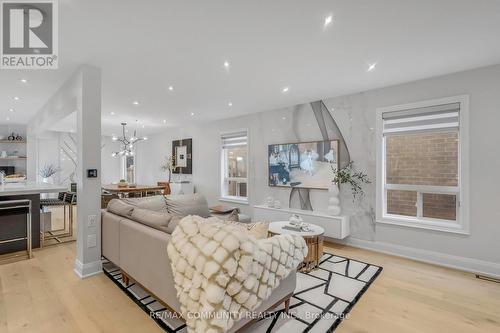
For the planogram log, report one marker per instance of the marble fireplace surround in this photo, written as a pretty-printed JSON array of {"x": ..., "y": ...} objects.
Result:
[{"x": 355, "y": 116}]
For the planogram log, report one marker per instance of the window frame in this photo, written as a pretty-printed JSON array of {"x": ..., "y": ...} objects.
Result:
[
  {"x": 223, "y": 170},
  {"x": 461, "y": 225}
]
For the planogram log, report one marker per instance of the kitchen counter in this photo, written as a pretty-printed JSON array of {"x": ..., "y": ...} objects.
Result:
[
  {"x": 25, "y": 188},
  {"x": 13, "y": 222}
]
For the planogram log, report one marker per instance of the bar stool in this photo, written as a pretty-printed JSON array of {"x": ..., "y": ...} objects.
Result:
[
  {"x": 61, "y": 235},
  {"x": 22, "y": 206}
]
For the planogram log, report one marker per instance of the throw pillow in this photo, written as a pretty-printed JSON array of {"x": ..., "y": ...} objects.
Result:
[
  {"x": 118, "y": 207},
  {"x": 156, "y": 220},
  {"x": 156, "y": 202},
  {"x": 188, "y": 204}
]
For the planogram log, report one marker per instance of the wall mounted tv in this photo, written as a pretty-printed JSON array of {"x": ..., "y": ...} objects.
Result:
[{"x": 302, "y": 165}]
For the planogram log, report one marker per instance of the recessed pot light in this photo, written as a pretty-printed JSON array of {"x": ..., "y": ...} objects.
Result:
[
  {"x": 135, "y": 102},
  {"x": 23, "y": 81},
  {"x": 192, "y": 113},
  {"x": 371, "y": 67},
  {"x": 112, "y": 113},
  {"x": 170, "y": 88},
  {"x": 230, "y": 104},
  {"x": 164, "y": 121},
  {"x": 328, "y": 21},
  {"x": 7, "y": 118},
  {"x": 285, "y": 90},
  {"x": 16, "y": 98},
  {"x": 227, "y": 65},
  {"x": 11, "y": 110}
]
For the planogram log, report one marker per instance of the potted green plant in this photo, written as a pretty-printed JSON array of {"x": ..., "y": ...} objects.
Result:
[
  {"x": 122, "y": 183},
  {"x": 346, "y": 175}
]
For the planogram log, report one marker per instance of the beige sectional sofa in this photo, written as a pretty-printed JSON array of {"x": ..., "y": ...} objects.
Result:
[{"x": 135, "y": 235}]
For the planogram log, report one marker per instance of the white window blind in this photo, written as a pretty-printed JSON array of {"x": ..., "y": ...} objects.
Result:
[
  {"x": 234, "y": 140},
  {"x": 445, "y": 116}
]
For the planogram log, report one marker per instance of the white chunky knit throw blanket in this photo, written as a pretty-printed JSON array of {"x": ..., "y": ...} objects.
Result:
[{"x": 221, "y": 273}]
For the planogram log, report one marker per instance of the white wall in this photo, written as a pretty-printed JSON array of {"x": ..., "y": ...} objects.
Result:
[
  {"x": 110, "y": 166},
  {"x": 48, "y": 146},
  {"x": 355, "y": 115}
]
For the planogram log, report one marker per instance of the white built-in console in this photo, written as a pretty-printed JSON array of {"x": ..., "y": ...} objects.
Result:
[{"x": 335, "y": 226}]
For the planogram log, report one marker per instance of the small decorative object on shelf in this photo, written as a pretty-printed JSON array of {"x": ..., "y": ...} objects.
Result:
[
  {"x": 12, "y": 137},
  {"x": 345, "y": 175},
  {"x": 270, "y": 202},
  {"x": 295, "y": 220},
  {"x": 297, "y": 224},
  {"x": 122, "y": 183}
]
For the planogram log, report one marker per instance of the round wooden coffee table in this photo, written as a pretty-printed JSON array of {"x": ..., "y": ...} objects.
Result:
[{"x": 313, "y": 238}]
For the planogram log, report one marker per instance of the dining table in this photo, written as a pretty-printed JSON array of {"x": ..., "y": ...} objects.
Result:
[{"x": 141, "y": 190}]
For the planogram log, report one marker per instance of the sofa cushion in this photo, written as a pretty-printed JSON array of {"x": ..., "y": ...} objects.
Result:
[
  {"x": 174, "y": 222},
  {"x": 188, "y": 204},
  {"x": 156, "y": 202},
  {"x": 157, "y": 220},
  {"x": 119, "y": 207}
]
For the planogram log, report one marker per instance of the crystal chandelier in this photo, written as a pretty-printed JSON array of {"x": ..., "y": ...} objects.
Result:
[{"x": 127, "y": 144}]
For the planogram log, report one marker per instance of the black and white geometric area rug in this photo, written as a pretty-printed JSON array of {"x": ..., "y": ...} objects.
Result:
[{"x": 322, "y": 300}]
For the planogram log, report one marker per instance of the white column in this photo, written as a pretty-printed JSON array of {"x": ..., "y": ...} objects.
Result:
[{"x": 88, "y": 253}]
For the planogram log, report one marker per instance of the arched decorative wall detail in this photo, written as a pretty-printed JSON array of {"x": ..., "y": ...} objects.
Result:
[{"x": 326, "y": 124}]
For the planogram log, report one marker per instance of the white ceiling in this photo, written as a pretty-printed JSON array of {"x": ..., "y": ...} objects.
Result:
[{"x": 145, "y": 46}]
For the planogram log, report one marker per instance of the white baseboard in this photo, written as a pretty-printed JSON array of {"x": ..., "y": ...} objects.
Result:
[
  {"x": 87, "y": 270},
  {"x": 476, "y": 266}
]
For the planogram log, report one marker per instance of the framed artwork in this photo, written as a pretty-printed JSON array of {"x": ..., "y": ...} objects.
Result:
[
  {"x": 303, "y": 164},
  {"x": 182, "y": 153}
]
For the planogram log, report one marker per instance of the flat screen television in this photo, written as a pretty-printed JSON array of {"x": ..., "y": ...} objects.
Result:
[
  {"x": 8, "y": 170},
  {"x": 303, "y": 164}
]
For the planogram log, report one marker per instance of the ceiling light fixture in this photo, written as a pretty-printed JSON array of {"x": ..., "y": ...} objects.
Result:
[
  {"x": 164, "y": 121},
  {"x": 230, "y": 104},
  {"x": 371, "y": 67},
  {"x": 192, "y": 113},
  {"x": 11, "y": 110},
  {"x": 285, "y": 90},
  {"x": 112, "y": 113},
  {"x": 171, "y": 88},
  {"x": 135, "y": 103},
  {"x": 16, "y": 98},
  {"x": 24, "y": 81},
  {"x": 328, "y": 21},
  {"x": 226, "y": 65},
  {"x": 127, "y": 144},
  {"x": 7, "y": 118}
]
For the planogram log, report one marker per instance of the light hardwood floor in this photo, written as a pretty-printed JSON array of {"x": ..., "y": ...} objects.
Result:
[{"x": 44, "y": 295}]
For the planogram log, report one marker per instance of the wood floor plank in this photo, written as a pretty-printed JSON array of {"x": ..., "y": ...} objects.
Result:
[{"x": 45, "y": 295}]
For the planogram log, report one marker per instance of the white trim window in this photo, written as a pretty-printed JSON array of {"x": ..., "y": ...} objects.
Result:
[
  {"x": 234, "y": 166},
  {"x": 422, "y": 164}
]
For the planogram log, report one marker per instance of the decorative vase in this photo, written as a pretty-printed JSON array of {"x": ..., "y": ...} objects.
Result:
[
  {"x": 46, "y": 180},
  {"x": 334, "y": 201}
]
